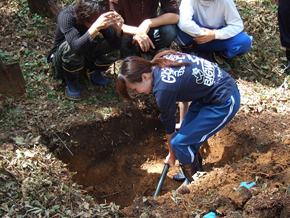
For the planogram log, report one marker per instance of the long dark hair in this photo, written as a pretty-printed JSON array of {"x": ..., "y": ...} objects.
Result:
[
  {"x": 90, "y": 10},
  {"x": 133, "y": 67}
]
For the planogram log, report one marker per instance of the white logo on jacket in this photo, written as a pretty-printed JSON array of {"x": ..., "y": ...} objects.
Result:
[
  {"x": 204, "y": 72},
  {"x": 169, "y": 75}
]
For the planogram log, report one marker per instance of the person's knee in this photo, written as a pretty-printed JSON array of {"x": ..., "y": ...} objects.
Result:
[
  {"x": 73, "y": 62},
  {"x": 238, "y": 45},
  {"x": 168, "y": 34},
  {"x": 246, "y": 43},
  {"x": 108, "y": 58},
  {"x": 70, "y": 60},
  {"x": 175, "y": 145},
  {"x": 178, "y": 152}
]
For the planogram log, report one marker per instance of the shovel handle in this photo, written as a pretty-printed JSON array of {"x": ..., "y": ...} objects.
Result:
[{"x": 161, "y": 180}]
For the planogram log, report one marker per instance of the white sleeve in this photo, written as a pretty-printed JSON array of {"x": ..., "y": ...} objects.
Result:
[
  {"x": 186, "y": 24},
  {"x": 234, "y": 23}
]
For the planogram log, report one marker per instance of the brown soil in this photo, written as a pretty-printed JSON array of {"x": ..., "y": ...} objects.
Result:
[{"x": 120, "y": 160}]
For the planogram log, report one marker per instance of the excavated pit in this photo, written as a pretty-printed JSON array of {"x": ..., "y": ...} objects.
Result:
[{"x": 122, "y": 158}]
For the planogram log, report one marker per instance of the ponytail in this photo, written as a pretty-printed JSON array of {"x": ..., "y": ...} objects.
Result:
[
  {"x": 133, "y": 67},
  {"x": 160, "y": 61}
]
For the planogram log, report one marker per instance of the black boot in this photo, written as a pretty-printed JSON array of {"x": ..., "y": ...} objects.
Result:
[
  {"x": 72, "y": 90},
  {"x": 199, "y": 159},
  {"x": 190, "y": 169},
  {"x": 179, "y": 177}
]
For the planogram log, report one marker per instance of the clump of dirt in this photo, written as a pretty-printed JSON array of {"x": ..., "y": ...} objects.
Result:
[{"x": 120, "y": 160}]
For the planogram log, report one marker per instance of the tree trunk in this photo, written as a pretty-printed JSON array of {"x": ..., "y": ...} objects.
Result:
[
  {"x": 12, "y": 82},
  {"x": 47, "y": 8}
]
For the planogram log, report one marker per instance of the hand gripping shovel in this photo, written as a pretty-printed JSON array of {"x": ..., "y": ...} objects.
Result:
[{"x": 161, "y": 180}]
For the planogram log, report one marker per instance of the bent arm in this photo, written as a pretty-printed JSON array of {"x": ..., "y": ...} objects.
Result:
[
  {"x": 186, "y": 24},
  {"x": 223, "y": 12},
  {"x": 79, "y": 44},
  {"x": 233, "y": 20},
  {"x": 132, "y": 30},
  {"x": 164, "y": 19}
]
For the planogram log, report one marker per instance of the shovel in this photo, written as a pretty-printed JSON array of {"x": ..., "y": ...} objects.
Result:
[
  {"x": 161, "y": 180},
  {"x": 11, "y": 80}
]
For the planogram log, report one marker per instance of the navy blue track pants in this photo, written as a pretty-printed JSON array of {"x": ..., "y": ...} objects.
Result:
[{"x": 201, "y": 122}]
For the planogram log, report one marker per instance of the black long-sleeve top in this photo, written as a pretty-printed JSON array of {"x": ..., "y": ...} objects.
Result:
[{"x": 78, "y": 36}]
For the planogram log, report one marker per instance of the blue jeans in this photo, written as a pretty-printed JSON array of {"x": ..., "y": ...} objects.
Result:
[
  {"x": 161, "y": 37},
  {"x": 237, "y": 45},
  {"x": 200, "y": 123}
]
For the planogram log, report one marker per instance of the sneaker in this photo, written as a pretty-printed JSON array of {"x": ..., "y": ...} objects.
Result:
[
  {"x": 218, "y": 57},
  {"x": 96, "y": 78},
  {"x": 179, "y": 177}
]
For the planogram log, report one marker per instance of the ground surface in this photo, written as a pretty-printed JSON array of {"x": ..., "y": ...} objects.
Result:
[
  {"x": 119, "y": 163},
  {"x": 117, "y": 148}
]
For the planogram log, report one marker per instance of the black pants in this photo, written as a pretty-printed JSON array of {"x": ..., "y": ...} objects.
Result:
[
  {"x": 161, "y": 37},
  {"x": 100, "y": 56},
  {"x": 284, "y": 22}
]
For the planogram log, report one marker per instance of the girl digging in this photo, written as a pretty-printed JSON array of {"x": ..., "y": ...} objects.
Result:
[{"x": 177, "y": 77}]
